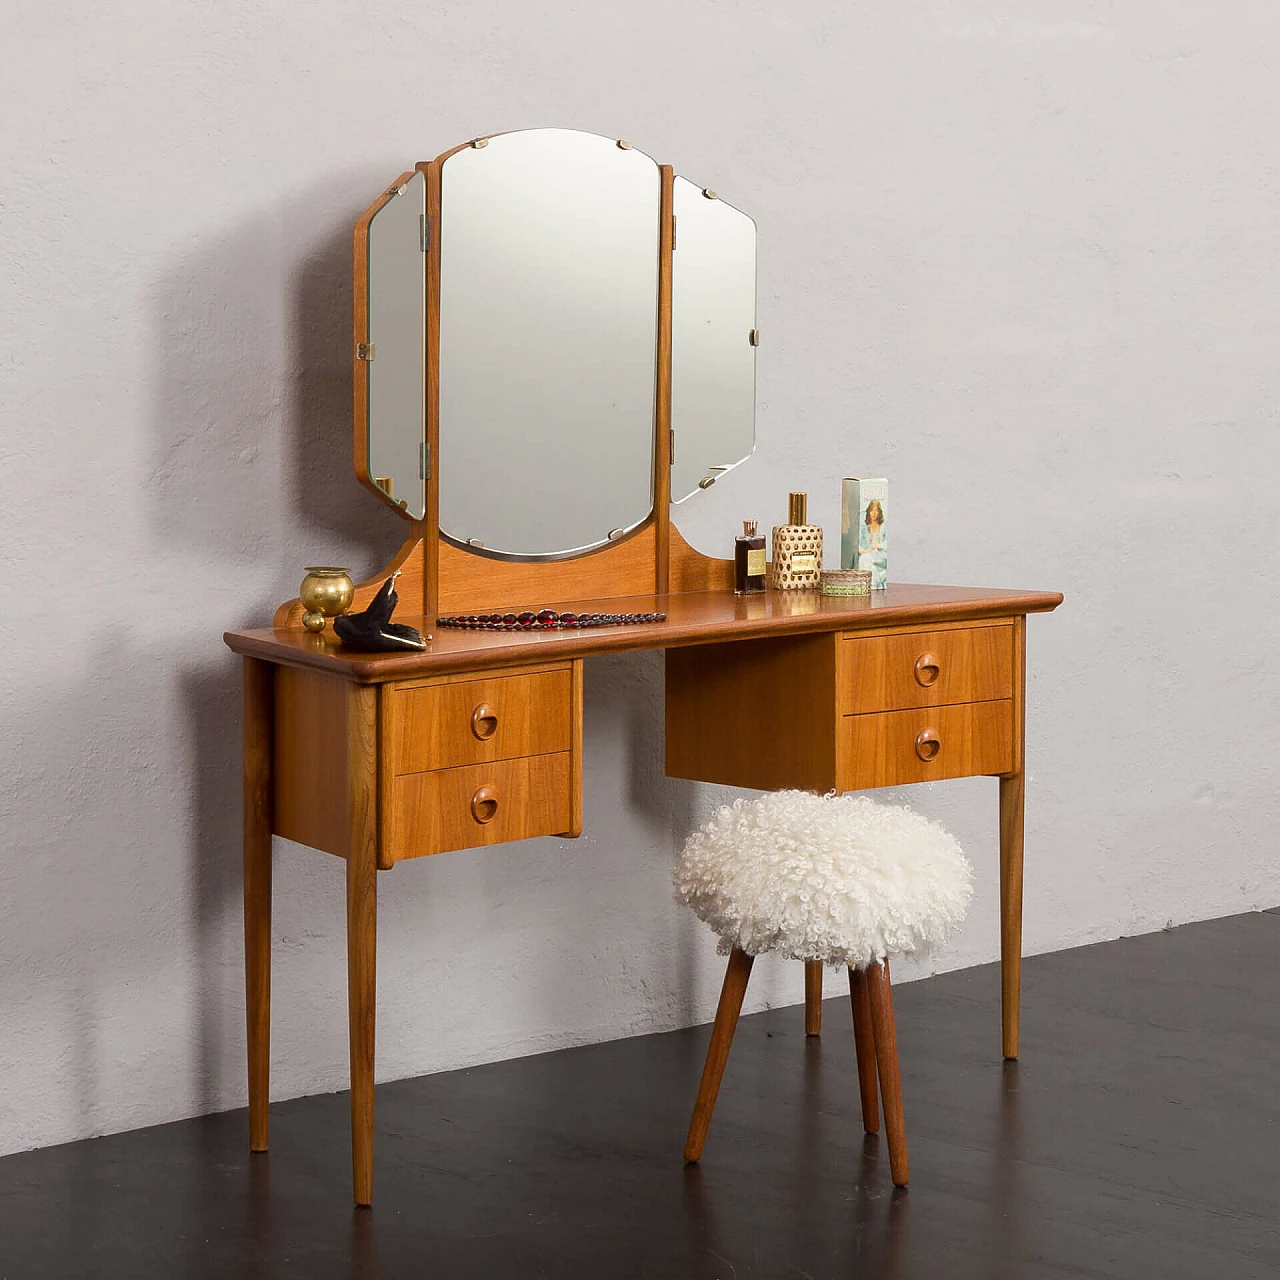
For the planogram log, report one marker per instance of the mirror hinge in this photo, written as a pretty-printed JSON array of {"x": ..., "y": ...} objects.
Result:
[
  {"x": 673, "y": 233},
  {"x": 365, "y": 350},
  {"x": 424, "y": 232},
  {"x": 424, "y": 461},
  {"x": 672, "y": 456}
]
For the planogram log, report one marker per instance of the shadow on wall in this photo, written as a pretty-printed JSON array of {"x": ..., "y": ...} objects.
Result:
[
  {"x": 626, "y": 691},
  {"x": 253, "y": 395},
  {"x": 252, "y": 464}
]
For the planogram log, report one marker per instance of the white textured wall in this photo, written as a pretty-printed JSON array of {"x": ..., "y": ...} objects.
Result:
[{"x": 1021, "y": 258}]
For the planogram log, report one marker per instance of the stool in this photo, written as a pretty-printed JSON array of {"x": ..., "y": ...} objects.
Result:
[{"x": 827, "y": 880}]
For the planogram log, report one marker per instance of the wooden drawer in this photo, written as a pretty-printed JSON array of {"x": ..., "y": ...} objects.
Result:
[
  {"x": 443, "y": 726},
  {"x": 924, "y": 669},
  {"x": 481, "y": 804},
  {"x": 892, "y": 748}
]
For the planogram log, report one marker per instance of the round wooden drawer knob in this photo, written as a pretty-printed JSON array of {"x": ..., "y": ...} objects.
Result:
[
  {"x": 928, "y": 669},
  {"x": 484, "y": 722},
  {"x": 484, "y": 804},
  {"x": 928, "y": 744}
]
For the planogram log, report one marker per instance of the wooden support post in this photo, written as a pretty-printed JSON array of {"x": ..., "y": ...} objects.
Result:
[
  {"x": 1012, "y": 808},
  {"x": 864, "y": 1040},
  {"x": 813, "y": 997},
  {"x": 257, "y": 719},
  {"x": 881, "y": 999},
  {"x": 730, "y": 1006},
  {"x": 362, "y": 926}
]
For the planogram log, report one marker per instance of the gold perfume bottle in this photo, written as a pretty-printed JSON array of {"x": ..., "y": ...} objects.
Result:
[{"x": 797, "y": 549}]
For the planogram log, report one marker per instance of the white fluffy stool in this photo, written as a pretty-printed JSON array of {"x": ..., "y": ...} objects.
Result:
[{"x": 827, "y": 880}]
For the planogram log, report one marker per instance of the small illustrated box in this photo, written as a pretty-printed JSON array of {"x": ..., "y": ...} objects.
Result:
[{"x": 864, "y": 537}]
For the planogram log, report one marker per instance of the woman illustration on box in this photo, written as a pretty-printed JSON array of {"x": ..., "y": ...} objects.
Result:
[{"x": 873, "y": 546}]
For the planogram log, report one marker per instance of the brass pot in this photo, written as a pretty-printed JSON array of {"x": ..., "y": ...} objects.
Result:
[{"x": 326, "y": 592}]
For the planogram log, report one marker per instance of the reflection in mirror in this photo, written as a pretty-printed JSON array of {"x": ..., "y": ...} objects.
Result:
[
  {"x": 397, "y": 332},
  {"x": 548, "y": 341},
  {"x": 713, "y": 354}
]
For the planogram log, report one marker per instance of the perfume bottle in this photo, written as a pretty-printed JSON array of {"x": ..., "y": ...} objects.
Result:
[
  {"x": 748, "y": 561},
  {"x": 797, "y": 549}
]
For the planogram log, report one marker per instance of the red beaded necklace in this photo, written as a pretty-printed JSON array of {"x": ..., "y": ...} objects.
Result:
[{"x": 544, "y": 620}]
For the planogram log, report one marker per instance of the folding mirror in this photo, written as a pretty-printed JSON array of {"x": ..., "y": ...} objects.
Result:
[
  {"x": 713, "y": 339},
  {"x": 548, "y": 341},
  {"x": 531, "y": 334},
  {"x": 397, "y": 320}
]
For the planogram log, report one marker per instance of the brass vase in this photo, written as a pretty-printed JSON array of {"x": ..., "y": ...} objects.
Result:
[{"x": 326, "y": 592}]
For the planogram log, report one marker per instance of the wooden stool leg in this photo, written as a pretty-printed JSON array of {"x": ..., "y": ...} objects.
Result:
[
  {"x": 730, "y": 1006},
  {"x": 813, "y": 997},
  {"x": 881, "y": 1000},
  {"x": 864, "y": 1040}
]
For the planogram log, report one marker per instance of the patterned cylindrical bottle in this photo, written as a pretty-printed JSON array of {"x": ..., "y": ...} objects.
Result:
[{"x": 797, "y": 549}]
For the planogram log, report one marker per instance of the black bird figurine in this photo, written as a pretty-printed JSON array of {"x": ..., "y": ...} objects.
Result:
[{"x": 373, "y": 631}]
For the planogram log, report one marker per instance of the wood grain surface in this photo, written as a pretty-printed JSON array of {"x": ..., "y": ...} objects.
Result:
[
  {"x": 813, "y": 997},
  {"x": 693, "y": 617},
  {"x": 882, "y": 749},
  {"x": 441, "y": 726},
  {"x": 1012, "y": 804},
  {"x": 732, "y": 992},
  {"x": 880, "y": 998},
  {"x": 926, "y": 668},
  {"x": 864, "y": 1040},
  {"x": 759, "y": 715},
  {"x": 433, "y": 811},
  {"x": 256, "y": 734},
  {"x": 310, "y": 771},
  {"x": 471, "y": 583},
  {"x": 360, "y": 733}
]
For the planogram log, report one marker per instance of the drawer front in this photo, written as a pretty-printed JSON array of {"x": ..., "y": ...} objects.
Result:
[
  {"x": 925, "y": 669},
  {"x": 480, "y": 804},
  {"x": 892, "y": 748},
  {"x": 447, "y": 725}
]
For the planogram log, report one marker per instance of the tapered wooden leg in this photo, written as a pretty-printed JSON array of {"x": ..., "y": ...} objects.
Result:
[
  {"x": 258, "y": 685},
  {"x": 1012, "y": 801},
  {"x": 864, "y": 1040},
  {"x": 813, "y": 997},
  {"x": 1011, "y": 814},
  {"x": 881, "y": 1001},
  {"x": 362, "y": 929},
  {"x": 730, "y": 1006}
]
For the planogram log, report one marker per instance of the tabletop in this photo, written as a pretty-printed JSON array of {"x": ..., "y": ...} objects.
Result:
[{"x": 693, "y": 617}]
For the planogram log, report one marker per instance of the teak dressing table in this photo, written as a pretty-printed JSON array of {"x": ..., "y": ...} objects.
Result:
[{"x": 382, "y": 758}]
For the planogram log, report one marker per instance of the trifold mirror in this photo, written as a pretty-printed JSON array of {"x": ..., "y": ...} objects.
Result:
[{"x": 578, "y": 286}]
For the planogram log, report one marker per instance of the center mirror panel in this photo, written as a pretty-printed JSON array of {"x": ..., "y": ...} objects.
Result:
[{"x": 549, "y": 247}]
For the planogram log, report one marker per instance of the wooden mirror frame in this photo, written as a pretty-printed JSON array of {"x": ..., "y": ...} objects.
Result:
[{"x": 438, "y": 577}]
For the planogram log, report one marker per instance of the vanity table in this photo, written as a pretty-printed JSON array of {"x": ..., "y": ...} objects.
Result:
[{"x": 555, "y": 341}]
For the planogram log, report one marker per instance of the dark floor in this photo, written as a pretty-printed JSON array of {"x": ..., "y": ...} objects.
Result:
[{"x": 1137, "y": 1138}]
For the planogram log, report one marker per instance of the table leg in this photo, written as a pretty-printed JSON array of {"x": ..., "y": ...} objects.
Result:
[
  {"x": 1012, "y": 799},
  {"x": 1012, "y": 792},
  {"x": 362, "y": 928},
  {"x": 258, "y": 686}
]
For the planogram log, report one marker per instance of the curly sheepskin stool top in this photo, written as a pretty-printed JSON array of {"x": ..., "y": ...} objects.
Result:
[
  {"x": 827, "y": 880},
  {"x": 842, "y": 880}
]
